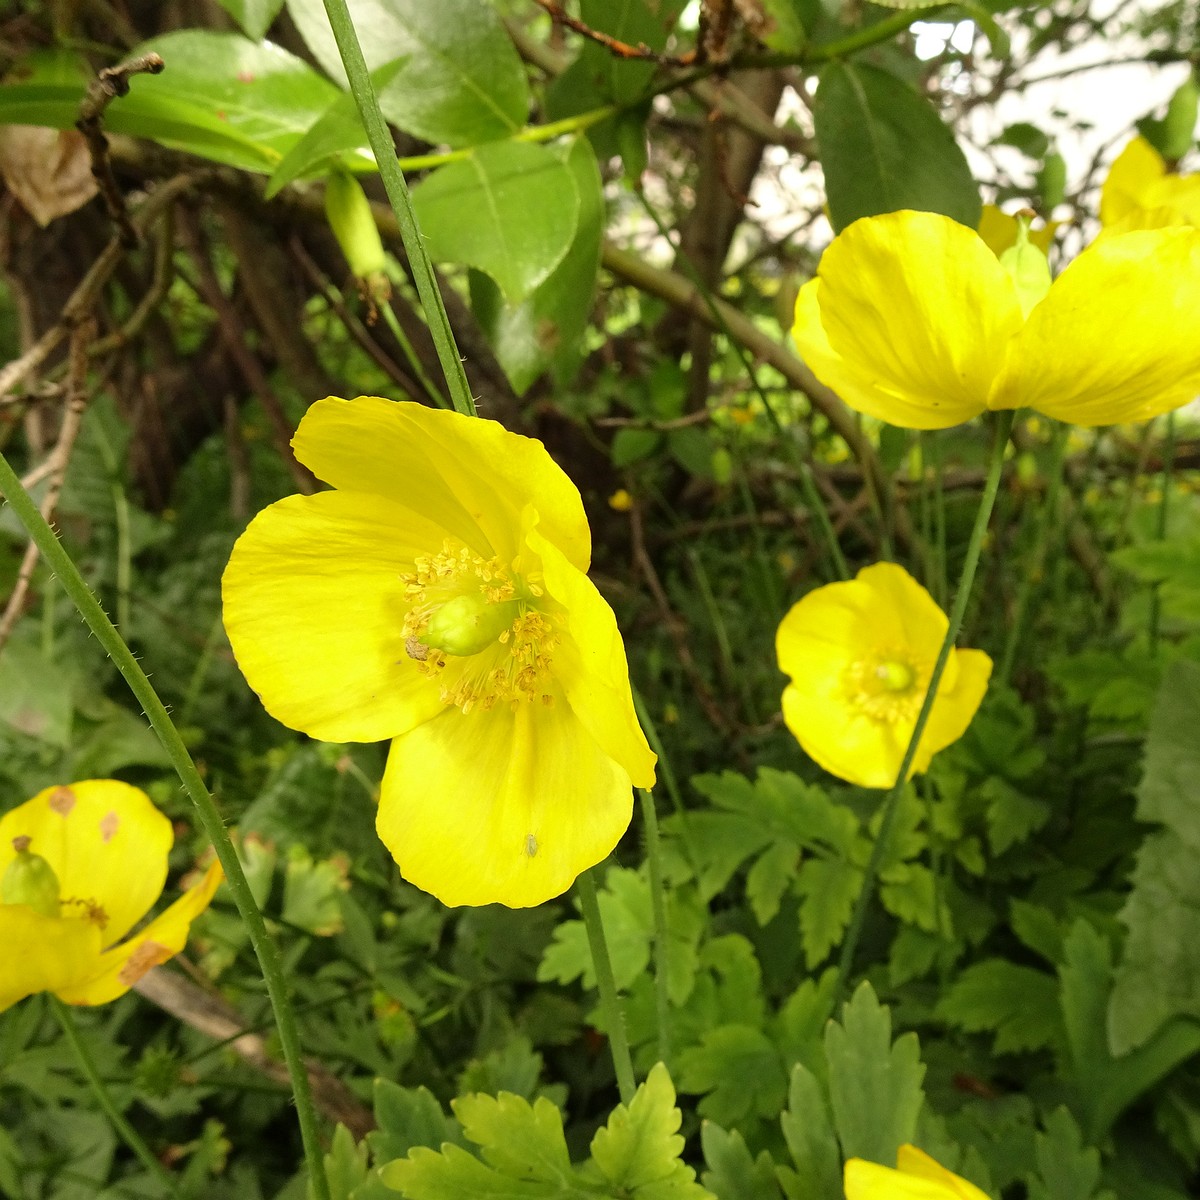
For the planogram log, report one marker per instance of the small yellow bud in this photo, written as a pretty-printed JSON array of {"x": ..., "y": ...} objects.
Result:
[{"x": 30, "y": 879}]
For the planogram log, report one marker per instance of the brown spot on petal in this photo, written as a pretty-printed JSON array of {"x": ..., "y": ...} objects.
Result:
[
  {"x": 61, "y": 801},
  {"x": 146, "y": 956},
  {"x": 109, "y": 824}
]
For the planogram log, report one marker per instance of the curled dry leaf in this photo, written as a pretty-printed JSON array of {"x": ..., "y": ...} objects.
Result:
[{"x": 48, "y": 170}]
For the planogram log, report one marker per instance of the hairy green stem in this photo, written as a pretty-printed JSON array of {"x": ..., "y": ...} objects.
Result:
[
  {"x": 397, "y": 192},
  {"x": 891, "y": 802},
  {"x": 210, "y": 819},
  {"x": 658, "y": 905},
  {"x": 125, "y": 1131},
  {"x": 606, "y": 985}
]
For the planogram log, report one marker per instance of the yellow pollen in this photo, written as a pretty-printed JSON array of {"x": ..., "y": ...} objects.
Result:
[{"x": 483, "y": 629}]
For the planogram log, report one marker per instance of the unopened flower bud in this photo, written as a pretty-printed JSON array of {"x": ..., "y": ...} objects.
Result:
[
  {"x": 349, "y": 215},
  {"x": 1179, "y": 125},
  {"x": 30, "y": 879}
]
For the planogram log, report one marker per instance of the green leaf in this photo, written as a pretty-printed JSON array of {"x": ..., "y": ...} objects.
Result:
[
  {"x": 312, "y": 892},
  {"x": 345, "y": 1164},
  {"x": 254, "y": 17},
  {"x": 1012, "y": 817},
  {"x": 1106, "y": 1085},
  {"x": 739, "y": 1070},
  {"x": 461, "y": 81},
  {"x": 884, "y": 147},
  {"x": 788, "y": 24},
  {"x": 808, "y": 1131},
  {"x": 732, "y": 1173},
  {"x": 874, "y": 1085},
  {"x": 633, "y": 445},
  {"x": 408, "y": 1117},
  {"x": 1018, "y": 1004},
  {"x": 35, "y": 695},
  {"x": 1067, "y": 1170},
  {"x": 909, "y": 892},
  {"x": 510, "y": 210},
  {"x": 545, "y": 329},
  {"x": 769, "y": 878},
  {"x": 638, "y": 1151},
  {"x": 828, "y": 888}
]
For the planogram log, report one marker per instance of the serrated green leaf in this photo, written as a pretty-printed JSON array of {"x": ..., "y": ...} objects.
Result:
[
  {"x": 884, "y": 148},
  {"x": 345, "y": 1164},
  {"x": 312, "y": 892},
  {"x": 1012, "y": 816},
  {"x": 254, "y": 17},
  {"x": 509, "y": 210},
  {"x": 1018, "y": 1004},
  {"x": 1171, "y": 767},
  {"x": 828, "y": 888},
  {"x": 739, "y": 1071},
  {"x": 462, "y": 82},
  {"x": 874, "y": 1084},
  {"x": 808, "y": 1131},
  {"x": 768, "y": 879},
  {"x": 35, "y": 695},
  {"x": 732, "y": 1173},
  {"x": 408, "y": 1117},
  {"x": 1067, "y": 1170},
  {"x": 909, "y": 892}
]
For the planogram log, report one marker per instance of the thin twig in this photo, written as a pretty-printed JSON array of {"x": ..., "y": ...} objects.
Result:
[{"x": 611, "y": 44}]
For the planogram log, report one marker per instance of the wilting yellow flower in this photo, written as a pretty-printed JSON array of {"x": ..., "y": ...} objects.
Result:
[
  {"x": 89, "y": 860},
  {"x": 439, "y": 597},
  {"x": 999, "y": 231},
  {"x": 860, "y": 655},
  {"x": 1140, "y": 193},
  {"x": 914, "y": 320},
  {"x": 916, "y": 1177}
]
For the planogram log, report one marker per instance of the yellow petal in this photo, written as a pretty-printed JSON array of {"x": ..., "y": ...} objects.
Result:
[
  {"x": 314, "y": 607},
  {"x": 590, "y": 664},
  {"x": 916, "y": 1163},
  {"x": 118, "y": 969},
  {"x": 918, "y": 311},
  {"x": 1118, "y": 336},
  {"x": 964, "y": 684},
  {"x": 472, "y": 476},
  {"x": 919, "y": 1177},
  {"x": 500, "y": 806},
  {"x": 43, "y": 954},
  {"x": 108, "y": 846},
  {"x": 1130, "y": 182},
  {"x": 895, "y": 596}
]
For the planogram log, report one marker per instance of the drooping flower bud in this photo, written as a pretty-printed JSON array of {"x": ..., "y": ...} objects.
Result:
[
  {"x": 349, "y": 214},
  {"x": 30, "y": 879}
]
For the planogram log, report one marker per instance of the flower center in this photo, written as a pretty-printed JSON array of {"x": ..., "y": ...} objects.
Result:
[
  {"x": 484, "y": 629},
  {"x": 887, "y": 687}
]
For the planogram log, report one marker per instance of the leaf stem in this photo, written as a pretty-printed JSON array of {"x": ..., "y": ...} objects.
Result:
[
  {"x": 55, "y": 554},
  {"x": 606, "y": 985},
  {"x": 891, "y": 802},
  {"x": 397, "y": 192},
  {"x": 658, "y": 906},
  {"x": 128, "y": 1134},
  {"x": 1160, "y": 530}
]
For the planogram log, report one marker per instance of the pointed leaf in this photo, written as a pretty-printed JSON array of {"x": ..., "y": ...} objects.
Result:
[
  {"x": 808, "y": 1131},
  {"x": 732, "y": 1173}
]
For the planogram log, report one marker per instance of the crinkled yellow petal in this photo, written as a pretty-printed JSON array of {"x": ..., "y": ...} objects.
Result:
[
  {"x": 314, "y": 607},
  {"x": 1117, "y": 337},
  {"x": 919, "y": 312},
  {"x": 1130, "y": 182},
  {"x": 590, "y": 664},
  {"x": 472, "y": 476},
  {"x": 500, "y": 806},
  {"x": 43, "y": 954},
  {"x": 918, "y": 1177},
  {"x": 895, "y": 596},
  {"x": 915, "y": 1162},
  {"x": 108, "y": 846},
  {"x": 118, "y": 969}
]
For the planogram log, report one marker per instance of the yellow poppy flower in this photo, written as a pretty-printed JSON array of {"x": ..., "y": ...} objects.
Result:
[
  {"x": 914, "y": 320},
  {"x": 860, "y": 655},
  {"x": 439, "y": 598},
  {"x": 1140, "y": 193},
  {"x": 88, "y": 862},
  {"x": 916, "y": 1177}
]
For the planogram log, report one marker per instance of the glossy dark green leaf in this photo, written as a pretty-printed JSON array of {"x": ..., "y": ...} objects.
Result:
[
  {"x": 254, "y": 17},
  {"x": 884, "y": 148},
  {"x": 461, "y": 81},
  {"x": 510, "y": 210},
  {"x": 545, "y": 329}
]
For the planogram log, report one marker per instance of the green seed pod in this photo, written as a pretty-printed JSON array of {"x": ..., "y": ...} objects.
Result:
[
  {"x": 349, "y": 215},
  {"x": 1179, "y": 125},
  {"x": 30, "y": 879}
]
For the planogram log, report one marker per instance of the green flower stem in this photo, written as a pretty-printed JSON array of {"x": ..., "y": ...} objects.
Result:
[
  {"x": 207, "y": 813},
  {"x": 397, "y": 192},
  {"x": 891, "y": 802},
  {"x": 606, "y": 985},
  {"x": 1164, "y": 510},
  {"x": 658, "y": 904},
  {"x": 1031, "y": 575},
  {"x": 128, "y": 1134}
]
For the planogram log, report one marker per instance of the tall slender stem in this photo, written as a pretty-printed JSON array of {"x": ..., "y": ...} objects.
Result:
[
  {"x": 658, "y": 906},
  {"x": 606, "y": 985},
  {"x": 1160, "y": 530},
  {"x": 210, "y": 819},
  {"x": 128, "y": 1134},
  {"x": 891, "y": 802},
  {"x": 397, "y": 192}
]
